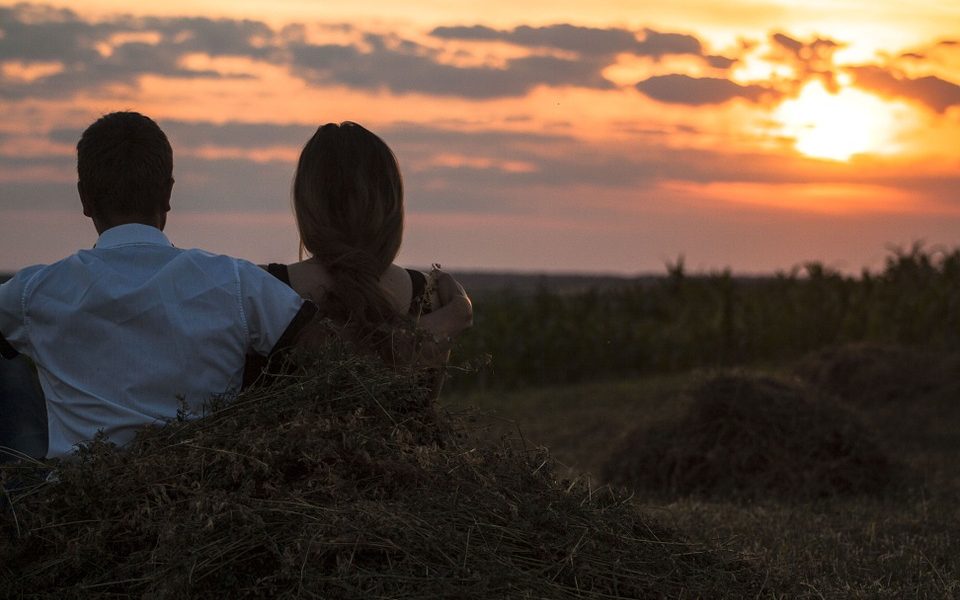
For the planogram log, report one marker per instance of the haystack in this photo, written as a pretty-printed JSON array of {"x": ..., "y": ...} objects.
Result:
[
  {"x": 338, "y": 480},
  {"x": 871, "y": 374},
  {"x": 753, "y": 436}
]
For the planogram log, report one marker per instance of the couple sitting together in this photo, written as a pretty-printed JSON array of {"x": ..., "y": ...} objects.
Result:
[{"x": 123, "y": 333}]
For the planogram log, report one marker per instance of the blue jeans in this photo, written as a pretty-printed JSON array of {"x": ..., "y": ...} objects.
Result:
[{"x": 23, "y": 411}]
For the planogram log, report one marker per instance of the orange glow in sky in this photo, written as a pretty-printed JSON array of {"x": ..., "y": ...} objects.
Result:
[
  {"x": 839, "y": 125},
  {"x": 647, "y": 129}
]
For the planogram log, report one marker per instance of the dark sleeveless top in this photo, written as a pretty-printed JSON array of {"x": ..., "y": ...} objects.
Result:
[
  {"x": 255, "y": 364},
  {"x": 419, "y": 280}
]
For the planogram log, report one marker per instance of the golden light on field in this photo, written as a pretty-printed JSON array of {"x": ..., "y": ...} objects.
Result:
[{"x": 839, "y": 125}]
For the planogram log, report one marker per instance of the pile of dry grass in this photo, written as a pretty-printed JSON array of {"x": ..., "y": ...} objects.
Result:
[
  {"x": 339, "y": 480},
  {"x": 871, "y": 374},
  {"x": 753, "y": 436}
]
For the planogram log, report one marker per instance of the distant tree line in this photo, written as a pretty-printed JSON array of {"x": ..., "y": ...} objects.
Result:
[{"x": 683, "y": 321}]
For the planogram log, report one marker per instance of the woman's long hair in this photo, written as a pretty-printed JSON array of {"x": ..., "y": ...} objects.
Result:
[{"x": 348, "y": 201}]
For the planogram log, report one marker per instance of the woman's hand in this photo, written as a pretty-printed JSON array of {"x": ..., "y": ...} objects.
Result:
[
  {"x": 455, "y": 312},
  {"x": 439, "y": 327},
  {"x": 453, "y": 297}
]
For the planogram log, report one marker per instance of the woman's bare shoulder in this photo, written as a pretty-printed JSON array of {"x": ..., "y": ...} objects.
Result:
[{"x": 308, "y": 278}]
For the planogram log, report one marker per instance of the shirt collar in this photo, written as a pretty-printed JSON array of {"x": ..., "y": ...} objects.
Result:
[{"x": 131, "y": 233}]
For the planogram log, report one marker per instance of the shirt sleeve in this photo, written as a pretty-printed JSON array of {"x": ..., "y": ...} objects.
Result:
[
  {"x": 13, "y": 330},
  {"x": 270, "y": 308}
]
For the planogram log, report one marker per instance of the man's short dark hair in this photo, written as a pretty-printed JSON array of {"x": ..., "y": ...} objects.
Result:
[{"x": 125, "y": 165}]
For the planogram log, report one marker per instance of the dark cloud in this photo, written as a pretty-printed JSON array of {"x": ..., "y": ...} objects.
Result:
[
  {"x": 229, "y": 185},
  {"x": 403, "y": 66},
  {"x": 201, "y": 133},
  {"x": 411, "y": 68},
  {"x": 811, "y": 59},
  {"x": 720, "y": 62},
  {"x": 818, "y": 48},
  {"x": 469, "y": 32},
  {"x": 39, "y": 195},
  {"x": 697, "y": 91},
  {"x": 236, "y": 135},
  {"x": 42, "y": 34},
  {"x": 583, "y": 40},
  {"x": 65, "y": 135},
  {"x": 45, "y": 192},
  {"x": 787, "y": 42},
  {"x": 381, "y": 62},
  {"x": 33, "y": 33},
  {"x": 658, "y": 44},
  {"x": 36, "y": 33},
  {"x": 936, "y": 93},
  {"x": 931, "y": 51},
  {"x": 216, "y": 37},
  {"x": 158, "y": 45}
]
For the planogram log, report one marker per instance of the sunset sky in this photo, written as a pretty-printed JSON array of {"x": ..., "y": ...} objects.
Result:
[{"x": 533, "y": 135}]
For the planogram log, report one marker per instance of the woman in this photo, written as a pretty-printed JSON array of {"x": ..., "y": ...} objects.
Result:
[{"x": 348, "y": 202}]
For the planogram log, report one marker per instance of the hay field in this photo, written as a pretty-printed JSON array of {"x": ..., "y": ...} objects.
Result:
[
  {"x": 339, "y": 479},
  {"x": 840, "y": 537}
]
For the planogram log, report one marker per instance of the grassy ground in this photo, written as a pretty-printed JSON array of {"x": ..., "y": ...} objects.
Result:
[{"x": 905, "y": 544}]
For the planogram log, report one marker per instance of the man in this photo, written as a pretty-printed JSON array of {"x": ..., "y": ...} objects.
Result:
[
  {"x": 23, "y": 414},
  {"x": 122, "y": 333}
]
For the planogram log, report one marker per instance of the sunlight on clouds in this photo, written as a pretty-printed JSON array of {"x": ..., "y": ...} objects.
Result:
[
  {"x": 495, "y": 54},
  {"x": 753, "y": 68},
  {"x": 32, "y": 146},
  {"x": 457, "y": 161},
  {"x": 838, "y": 126},
  {"x": 25, "y": 72},
  {"x": 629, "y": 69},
  {"x": 229, "y": 66},
  {"x": 929, "y": 146},
  {"x": 939, "y": 60},
  {"x": 282, "y": 154},
  {"x": 106, "y": 48},
  {"x": 819, "y": 198}
]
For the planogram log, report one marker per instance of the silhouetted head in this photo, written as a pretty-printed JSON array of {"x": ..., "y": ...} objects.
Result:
[
  {"x": 348, "y": 200},
  {"x": 125, "y": 169}
]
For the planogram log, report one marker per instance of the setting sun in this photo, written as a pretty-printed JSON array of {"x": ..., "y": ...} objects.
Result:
[{"x": 839, "y": 125}]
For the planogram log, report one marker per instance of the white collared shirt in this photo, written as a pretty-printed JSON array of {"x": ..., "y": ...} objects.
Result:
[{"x": 122, "y": 331}]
